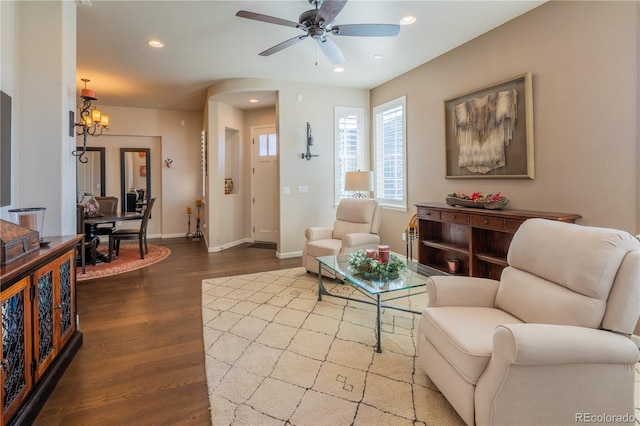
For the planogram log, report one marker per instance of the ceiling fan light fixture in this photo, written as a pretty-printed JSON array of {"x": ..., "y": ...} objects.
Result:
[
  {"x": 155, "y": 43},
  {"x": 318, "y": 24},
  {"x": 407, "y": 20}
]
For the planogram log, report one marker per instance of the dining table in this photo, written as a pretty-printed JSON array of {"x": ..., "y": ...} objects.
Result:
[{"x": 91, "y": 226}]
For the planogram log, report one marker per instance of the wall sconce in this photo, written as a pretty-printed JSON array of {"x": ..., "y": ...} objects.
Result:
[
  {"x": 358, "y": 181},
  {"x": 308, "y": 155},
  {"x": 168, "y": 162},
  {"x": 92, "y": 122}
]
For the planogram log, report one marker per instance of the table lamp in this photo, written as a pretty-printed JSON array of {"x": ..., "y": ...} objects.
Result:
[{"x": 358, "y": 181}]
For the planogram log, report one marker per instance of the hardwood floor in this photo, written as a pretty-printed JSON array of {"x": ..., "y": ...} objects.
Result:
[{"x": 142, "y": 359}]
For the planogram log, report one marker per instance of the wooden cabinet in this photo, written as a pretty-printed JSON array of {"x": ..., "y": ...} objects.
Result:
[
  {"x": 39, "y": 328},
  {"x": 53, "y": 323},
  {"x": 15, "y": 371},
  {"x": 479, "y": 239}
]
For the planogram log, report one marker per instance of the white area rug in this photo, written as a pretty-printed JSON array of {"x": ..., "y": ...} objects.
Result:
[{"x": 276, "y": 355}]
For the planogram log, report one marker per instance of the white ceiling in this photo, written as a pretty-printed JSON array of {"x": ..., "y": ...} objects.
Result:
[{"x": 205, "y": 43}]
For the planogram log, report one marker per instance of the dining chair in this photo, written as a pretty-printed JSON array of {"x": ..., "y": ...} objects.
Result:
[
  {"x": 132, "y": 234},
  {"x": 84, "y": 244},
  {"x": 108, "y": 205}
]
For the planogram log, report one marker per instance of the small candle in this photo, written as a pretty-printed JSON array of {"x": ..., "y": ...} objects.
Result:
[
  {"x": 197, "y": 215},
  {"x": 371, "y": 253},
  {"x": 198, "y": 202},
  {"x": 188, "y": 210}
]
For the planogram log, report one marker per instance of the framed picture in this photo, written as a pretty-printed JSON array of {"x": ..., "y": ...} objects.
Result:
[
  {"x": 489, "y": 131},
  {"x": 143, "y": 171}
]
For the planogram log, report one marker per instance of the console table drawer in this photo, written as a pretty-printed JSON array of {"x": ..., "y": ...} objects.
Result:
[
  {"x": 488, "y": 222},
  {"x": 429, "y": 214},
  {"x": 458, "y": 218}
]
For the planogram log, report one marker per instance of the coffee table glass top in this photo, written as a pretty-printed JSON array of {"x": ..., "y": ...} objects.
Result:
[{"x": 408, "y": 278}]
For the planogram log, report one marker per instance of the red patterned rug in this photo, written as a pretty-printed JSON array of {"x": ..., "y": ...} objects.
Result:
[{"x": 128, "y": 260}]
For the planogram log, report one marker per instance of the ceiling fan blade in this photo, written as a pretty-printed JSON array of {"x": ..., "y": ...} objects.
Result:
[
  {"x": 329, "y": 10},
  {"x": 331, "y": 50},
  {"x": 366, "y": 30},
  {"x": 283, "y": 45},
  {"x": 266, "y": 18}
]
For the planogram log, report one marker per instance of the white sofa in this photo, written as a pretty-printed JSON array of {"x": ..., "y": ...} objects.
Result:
[
  {"x": 355, "y": 228},
  {"x": 547, "y": 344}
]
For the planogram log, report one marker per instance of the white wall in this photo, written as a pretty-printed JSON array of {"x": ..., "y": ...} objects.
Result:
[
  {"x": 584, "y": 60},
  {"x": 8, "y": 71},
  {"x": 226, "y": 213},
  {"x": 42, "y": 96},
  {"x": 298, "y": 103},
  {"x": 169, "y": 134}
]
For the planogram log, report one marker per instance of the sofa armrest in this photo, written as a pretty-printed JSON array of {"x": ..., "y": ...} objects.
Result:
[
  {"x": 359, "y": 240},
  {"x": 567, "y": 370},
  {"x": 318, "y": 233},
  {"x": 539, "y": 344},
  {"x": 461, "y": 291}
]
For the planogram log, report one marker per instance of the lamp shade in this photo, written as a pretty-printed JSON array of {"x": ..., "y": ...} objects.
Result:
[{"x": 358, "y": 181}]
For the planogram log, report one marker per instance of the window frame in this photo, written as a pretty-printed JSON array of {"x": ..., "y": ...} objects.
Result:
[
  {"x": 378, "y": 110},
  {"x": 339, "y": 172}
]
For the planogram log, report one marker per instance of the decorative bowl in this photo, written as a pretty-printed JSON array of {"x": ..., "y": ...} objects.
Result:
[{"x": 491, "y": 205}]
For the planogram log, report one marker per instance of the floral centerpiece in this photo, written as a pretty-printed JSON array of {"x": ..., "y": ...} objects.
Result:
[
  {"x": 477, "y": 199},
  {"x": 371, "y": 268}
]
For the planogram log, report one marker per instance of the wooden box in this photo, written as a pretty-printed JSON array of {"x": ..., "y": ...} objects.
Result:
[{"x": 16, "y": 241}]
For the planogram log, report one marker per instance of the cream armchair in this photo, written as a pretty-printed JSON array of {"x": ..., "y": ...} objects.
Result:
[
  {"x": 355, "y": 228},
  {"x": 547, "y": 344}
]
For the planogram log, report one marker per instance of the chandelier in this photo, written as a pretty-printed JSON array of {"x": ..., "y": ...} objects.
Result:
[{"x": 91, "y": 121}]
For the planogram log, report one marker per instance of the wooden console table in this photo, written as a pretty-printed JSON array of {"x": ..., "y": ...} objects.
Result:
[
  {"x": 478, "y": 238},
  {"x": 39, "y": 327}
]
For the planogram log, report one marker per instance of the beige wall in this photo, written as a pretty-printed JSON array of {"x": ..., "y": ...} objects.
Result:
[
  {"x": 298, "y": 103},
  {"x": 226, "y": 213},
  {"x": 584, "y": 60},
  {"x": 169, "y": 134},
  {"x": 43, "y": 169}
]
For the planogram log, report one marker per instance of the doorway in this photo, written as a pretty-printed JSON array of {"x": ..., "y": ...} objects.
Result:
[{"x": 264, "y": 185}]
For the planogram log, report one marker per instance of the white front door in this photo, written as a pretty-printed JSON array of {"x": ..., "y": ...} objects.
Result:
[{"x": 264, "y": 187}]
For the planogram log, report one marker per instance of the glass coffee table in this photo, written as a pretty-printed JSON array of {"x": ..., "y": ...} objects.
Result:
[{"x": 379, "y": 292}]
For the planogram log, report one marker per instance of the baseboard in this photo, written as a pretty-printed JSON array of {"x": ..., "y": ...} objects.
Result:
[
  {"x": 180, "y": 235},
  {"x": 289, "y": 255},
  {"x": 214, "y": 249}
]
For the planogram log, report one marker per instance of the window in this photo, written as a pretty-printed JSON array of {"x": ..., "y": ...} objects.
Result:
[
  {"x": 267, "y": 145},
  {"x": 389, "y": 134},
  {"x": 349, "y": 149}
]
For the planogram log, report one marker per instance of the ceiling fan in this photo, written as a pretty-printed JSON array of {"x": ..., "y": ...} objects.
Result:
[{"x": 318, "y": 23}]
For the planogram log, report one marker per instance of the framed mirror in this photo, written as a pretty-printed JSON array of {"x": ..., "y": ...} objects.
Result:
[
  {"x": 135, "y": 178},
  {"x": 90, "y": 176}
]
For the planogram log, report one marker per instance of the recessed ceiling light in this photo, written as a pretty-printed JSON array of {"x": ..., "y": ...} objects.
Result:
[
  {"x": 377, "y": 56},
  {"x": 408, "y": 20},
  {"x": 253, "y": 101},
  {"x": 155, "y": 43},
  {"x": 338, "y": 69}
]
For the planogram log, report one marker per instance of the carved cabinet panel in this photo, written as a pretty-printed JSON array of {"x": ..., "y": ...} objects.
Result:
[
  {"x": 15, "y": 368},
  {"x": 53, "y": 303}
]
